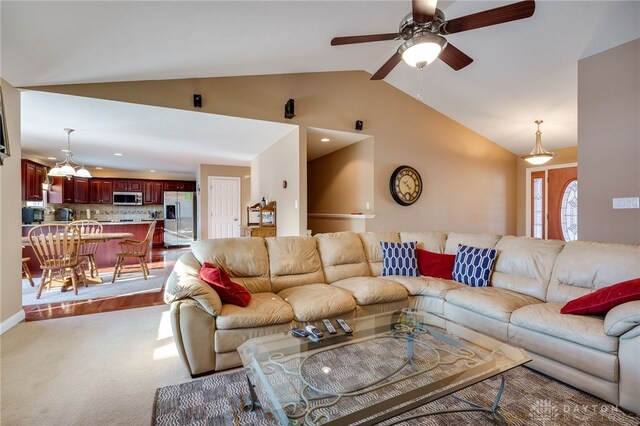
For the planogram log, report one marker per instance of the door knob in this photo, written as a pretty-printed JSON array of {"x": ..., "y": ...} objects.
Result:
[{"x": 235, "y": 219}]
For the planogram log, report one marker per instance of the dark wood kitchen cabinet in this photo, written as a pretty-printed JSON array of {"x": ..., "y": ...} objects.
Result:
[
  {"x": 61, "y": 190},
  {"x": 32, "y": 179},
  {"x": 101, "y": 191},
  {"x": 153, "y": 192},
  {"x": 81, "y": 190},
  {"x": 127, "y": 185},
  {"x": 158, "y": 234},
  {"x": 180, "y": 185}
]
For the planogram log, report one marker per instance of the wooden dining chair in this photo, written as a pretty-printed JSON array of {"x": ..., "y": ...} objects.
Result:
[
  {"x": 88, "y": 249},
  {"x": 134, "y": 248},
  {"x": 25, "y": 269},
  {"x": 57, "y": 247}
]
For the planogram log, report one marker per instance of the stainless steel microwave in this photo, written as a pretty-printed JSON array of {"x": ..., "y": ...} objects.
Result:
[{"x": 127, "y": 198}]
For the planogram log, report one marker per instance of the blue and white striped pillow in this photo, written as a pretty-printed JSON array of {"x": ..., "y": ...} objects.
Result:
[
  {"x": 473, "y": 266},
  {"x": 399, "y": 259}
]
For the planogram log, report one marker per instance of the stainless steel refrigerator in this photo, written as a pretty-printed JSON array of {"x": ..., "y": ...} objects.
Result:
[{"x": 179, "y": 218}]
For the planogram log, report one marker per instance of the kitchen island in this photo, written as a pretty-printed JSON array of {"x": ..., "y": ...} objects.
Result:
[{"x": 106, "y": 254}]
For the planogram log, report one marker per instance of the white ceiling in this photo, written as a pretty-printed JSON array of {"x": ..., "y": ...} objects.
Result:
[
  {"x": 523, "y": 70},
  {"x": 162, "y": 139}
]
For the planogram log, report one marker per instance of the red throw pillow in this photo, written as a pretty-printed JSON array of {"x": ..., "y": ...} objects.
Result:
[
  {"x": 601, "y": 301},
  {"x": 228, "y": 291},
  {"x": 435, "y": 264}
]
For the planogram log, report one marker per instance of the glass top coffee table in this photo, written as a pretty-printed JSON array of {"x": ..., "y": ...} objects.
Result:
[{"x": 391, "y": 364}]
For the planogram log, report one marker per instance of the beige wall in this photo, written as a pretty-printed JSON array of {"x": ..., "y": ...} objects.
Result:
[
  {"x": 563, "y": 156},
  {"x": 10, "y": 213},
  {"x": 609, "y": 143},
  {"x": 280, "y": 162},
  {"x": 342, "y": 181},
  {"x": 470, "y": 182},
  {"x": 207, "y": 170}
]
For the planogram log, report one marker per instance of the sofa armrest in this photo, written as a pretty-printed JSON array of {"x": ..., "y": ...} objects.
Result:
[
  {"x": 623, "y": 318},
  {"x": 183, "y": 283},
  {"x": 193, "y": 333}
]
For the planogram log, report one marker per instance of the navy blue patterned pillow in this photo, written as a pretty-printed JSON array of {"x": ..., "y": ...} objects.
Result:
[
  {"x": 473, "y": 265},
  {"x": 399, "y": 259}
]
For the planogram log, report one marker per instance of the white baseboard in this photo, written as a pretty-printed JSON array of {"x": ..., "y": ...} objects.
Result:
[{"x": 11, "y": 321}]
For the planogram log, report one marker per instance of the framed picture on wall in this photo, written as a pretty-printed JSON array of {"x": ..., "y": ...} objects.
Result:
[{"x": 4, "y": 137}]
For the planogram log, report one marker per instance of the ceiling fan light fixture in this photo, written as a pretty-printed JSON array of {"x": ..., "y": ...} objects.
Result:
[
  {"x": 539, "y": 155},
  {"x": 420, "y": 51}
]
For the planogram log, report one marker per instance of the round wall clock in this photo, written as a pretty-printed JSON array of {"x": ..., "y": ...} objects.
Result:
[{"x": 405, "y": 185}]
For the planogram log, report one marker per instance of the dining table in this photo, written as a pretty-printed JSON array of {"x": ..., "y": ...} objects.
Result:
[{"x": 87, "y": 238}]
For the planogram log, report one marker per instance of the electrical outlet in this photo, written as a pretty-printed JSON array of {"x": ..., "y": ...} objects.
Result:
[{"x": 626, "y": 203}]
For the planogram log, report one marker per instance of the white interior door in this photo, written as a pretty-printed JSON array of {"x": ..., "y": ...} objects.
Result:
[{"x": 224, "y": 207}]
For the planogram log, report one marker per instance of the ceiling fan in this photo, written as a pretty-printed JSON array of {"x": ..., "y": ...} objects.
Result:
[{"x": 423, "y": 29}]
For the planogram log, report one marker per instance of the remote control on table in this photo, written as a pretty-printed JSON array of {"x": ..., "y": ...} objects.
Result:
[
  {"x": 328, "y": 326},
  {"x": 312, "y": 330},
  {"x": 344, "y": 326},
  {"x": 298, "y": 332}
]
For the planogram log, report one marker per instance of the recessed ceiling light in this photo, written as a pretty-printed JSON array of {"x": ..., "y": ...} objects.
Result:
[
  {"x": 98, "y": 168},
  {"x": 119, "y": 154},
  {"x": 65, "y": 150},
  {"x": 325, "y": 140},
  {"x": 152, "y": 171},
  {"x": 51, "y": 158}
]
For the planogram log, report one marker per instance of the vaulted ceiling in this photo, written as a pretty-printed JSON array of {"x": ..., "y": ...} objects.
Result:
[{"x": 522, "y": 70}]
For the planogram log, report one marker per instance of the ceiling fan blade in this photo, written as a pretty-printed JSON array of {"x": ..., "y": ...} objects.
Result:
[
  {"x": 337, "y": 41},
  {"x": 499, "y": 15},
  {"x": 454, "y": 57},
  {"x": 423, "y": 11},
  {"x": 387, "y": 67}
]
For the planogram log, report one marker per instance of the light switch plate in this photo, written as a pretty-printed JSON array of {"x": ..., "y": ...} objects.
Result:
[{"x": 626, "y": 203}]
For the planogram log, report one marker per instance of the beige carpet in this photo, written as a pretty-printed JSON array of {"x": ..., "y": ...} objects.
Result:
[{"x": 100, "y": 369}]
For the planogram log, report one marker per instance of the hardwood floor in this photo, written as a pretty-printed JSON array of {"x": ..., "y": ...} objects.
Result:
[{"x": 160, "y": 258}]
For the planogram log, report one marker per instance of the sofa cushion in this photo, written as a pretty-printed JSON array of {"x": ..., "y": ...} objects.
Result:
[
  {"x": 342, "y": 256},
  {"x": 601, "y": 301},
  {"x": 525, "y": 264},
  {"x": 313, "y": 302},
  {"x": 399, "y": 259},
  {"x": 583, "y": 267},
  {"x": 293, "y": 261},
  {"x": 219, "y": 280},
  {"x": 263, "y": 309},
  {"x": 372, "y": 290},
  {"x": 371, "y": 244},
  {"x": 454, "y": 239},
  {"x": 426, "y": 286},
  {"x": 473, "y": 266},
  {"x": 584, "y": 330},
  {"x": 436, "y": 265},
  {"x": 492, "y": 302},
  {"x": 431, "y": 240},
  {"x": 245, "y": 259}
]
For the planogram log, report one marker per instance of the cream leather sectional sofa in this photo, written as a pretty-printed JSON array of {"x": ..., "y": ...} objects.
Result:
[{"x": 299, "y": 280}]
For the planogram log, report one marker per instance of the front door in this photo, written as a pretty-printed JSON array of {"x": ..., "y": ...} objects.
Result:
[
  {"x": 224, "y": 207},
  {"x": 563, "y": 203},
  {"x": 553, "y": 203}
]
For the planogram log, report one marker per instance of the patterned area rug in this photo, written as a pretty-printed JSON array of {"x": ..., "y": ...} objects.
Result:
[{"x": 529, "y": 398}]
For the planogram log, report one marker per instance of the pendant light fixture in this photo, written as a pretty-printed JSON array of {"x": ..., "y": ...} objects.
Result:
[
  {"x": 69, "y": 167},
  {"x": 539, "y": 155}
]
